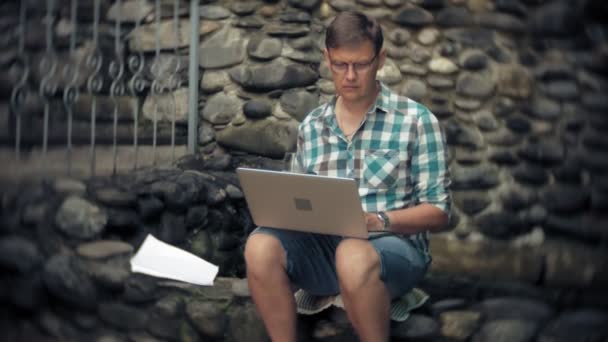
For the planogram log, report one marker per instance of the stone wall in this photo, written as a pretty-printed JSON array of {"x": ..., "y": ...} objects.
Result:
[{"x": 517, "y": 85}]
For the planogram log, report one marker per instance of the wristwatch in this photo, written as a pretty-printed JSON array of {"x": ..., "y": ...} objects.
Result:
[{"x": 383, "y": 217}]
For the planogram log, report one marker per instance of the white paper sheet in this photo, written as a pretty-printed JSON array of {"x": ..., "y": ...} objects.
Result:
[{"x": 159, "y": 259}]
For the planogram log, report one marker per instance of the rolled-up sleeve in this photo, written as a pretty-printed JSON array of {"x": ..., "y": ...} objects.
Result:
[{"x": 429, "y": 168}]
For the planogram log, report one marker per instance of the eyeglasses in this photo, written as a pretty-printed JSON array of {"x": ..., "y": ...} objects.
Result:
[{"x": 342, "y": 67}]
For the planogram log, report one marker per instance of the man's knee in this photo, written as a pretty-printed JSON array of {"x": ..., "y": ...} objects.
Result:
[
  {"x": 263, "y": 251},
  {"x": 357, "y": 262}
]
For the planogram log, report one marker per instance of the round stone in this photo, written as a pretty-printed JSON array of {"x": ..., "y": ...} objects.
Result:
[
  {"x": 473, "y": 85},
  {"x": 104, "y": 249},
  {"x": 414, "y": 89},
  {"x": 80, "y": 219},
  {"x": 442, "y": 65},
  {"x": 257, "y": 109},
  {"x": 399, "y": 36},
  {"x": 428, "y": 36}
]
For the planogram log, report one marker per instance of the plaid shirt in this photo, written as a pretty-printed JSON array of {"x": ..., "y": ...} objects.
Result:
[{"x": 397, "y": 156}]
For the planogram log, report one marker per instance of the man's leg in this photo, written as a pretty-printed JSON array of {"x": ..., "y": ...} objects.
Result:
[
  {"x": 270, "y": 286},
  {"x": 365, "y": 296}
]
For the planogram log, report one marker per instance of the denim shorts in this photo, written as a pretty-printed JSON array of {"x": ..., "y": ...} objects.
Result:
[{"x": 311, "y": 261}]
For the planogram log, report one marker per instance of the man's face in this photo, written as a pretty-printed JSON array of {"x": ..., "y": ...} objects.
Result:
[{"x": 354, "y": 70}]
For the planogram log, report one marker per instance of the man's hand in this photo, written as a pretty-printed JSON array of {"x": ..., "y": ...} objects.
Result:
[{"x": 373, "y": 222}]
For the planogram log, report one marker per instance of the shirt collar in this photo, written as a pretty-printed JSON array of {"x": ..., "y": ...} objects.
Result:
[{"x": 381, "y": 104}]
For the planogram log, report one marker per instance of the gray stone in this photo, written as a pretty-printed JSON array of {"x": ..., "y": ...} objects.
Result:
[
  {"x": 172, "y": 228},
  {"x": 471, "y": 203},
  {"x": 512, "y": 7},
  {"x": 224, "y": 241},
  {"x": 440, "y": 82},
  {"x": 471, "y": 37},
  {"x": 167, "y": 70},
  {"x": 442, "y": 65},
  {"x": 28, "y": 293},
  {"x": 580, "y": 324},
  {"x": 34, "y": 213},
  {"x": 110, "y": 276},
  {"x": 471, "y": 178},
  {"x": 518, "y": 124},
  {"x": 264, "y": 48},
  {"x": 454, "y": 17},
  {"x": 543, "y": 108},
  {"x": 554, "y": 19},
  {"x": 389, "y": 73},
  {"x": 313, "y": 57},
  {"x": 370, "y": 3},
  {"x": 303, "y": 43},
  {"x": 562, "y": 199},
  {"x": 224, "y": 48},
  {"x": 396, "y": 52},
  {"x": 486, "y": 121},
  {"x": 69, "y": 186},
  {"x": 295, "y": 17},
  {"x": 114, "y": 197},
  {"x": 68, "y": 281},
  {"x": 122, "y": 316},
  {"x": 467, "y": 104},
  {"x": 274, "y": 75},
  {"x": 221, "y": 108},
  {"x": 414, "y": 89},
  {"x": 473, "y": 85},
  {"x": 418, "y": 53},
  {"x": 168, "y": 107},
  {"x": 80, "y": 219},
  {"x": 561, "y": 90},
  {"x": 399, "y": 36},
  {"x": 506, "y": 308},
  {"x": 214, "y": 81},
  {"x": 213, "y": 12},
  {"x": 545, "y": 152},
  {"x": 298, "y": 103},
  {"x": 19, "y": 254},
  {"x": 140, "y": 288},
  {"x": 207, "y": 317},
  {"x": 416, "y": 327},
  {"x": 530, "y": 174},
  {"x": 257, "y": 109},
  {"x": 244, "y": 8},
  {"x": 104, "y": 249},
  {"x": 149, "y": 207},
  {"x": 265, "y": 137},
  {"x": 250, "y": 22},
  {"x": 473, "y": 60},
  {"x": 462, "y": 135},
  {"x": 327, "y": 87},
  {"x": 206, "y": 133},
  {"x": 502, "y": 22},
  {"x": 286, "y": 30},
  {"x": 245, "y": 325},
  {"x": 459, "y": 324},
  {"x": 130, "y": 11},
  {"x": 144, "y": 38},
  {"x": 509, "y": 330},
  {"x": 413, "y": 16},
  {"x": 411, "y": 69},
  {"x": 501, "y": 225},
  {"x": 428, "y": 36},
  {"x": 516, "y": 198},
  {"x": 304, "y": 4},
  {"x": 343, "y": 5},
  {"x": 554, "y": 72}
]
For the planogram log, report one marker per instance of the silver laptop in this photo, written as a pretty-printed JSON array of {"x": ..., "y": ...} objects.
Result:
[{"x": 303, "y": 202}]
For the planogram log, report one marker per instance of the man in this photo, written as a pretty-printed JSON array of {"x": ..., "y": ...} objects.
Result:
[{"x": 395, "y": 150}]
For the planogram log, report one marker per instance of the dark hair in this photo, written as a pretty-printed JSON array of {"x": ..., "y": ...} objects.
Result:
[{"x": 350, "y": 28}]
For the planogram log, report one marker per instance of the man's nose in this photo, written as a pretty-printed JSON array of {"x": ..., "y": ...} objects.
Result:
[{"x": 351, "y": 74}]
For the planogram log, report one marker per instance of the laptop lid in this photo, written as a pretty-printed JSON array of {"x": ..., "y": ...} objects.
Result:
[{"x": 303, "y": 202}]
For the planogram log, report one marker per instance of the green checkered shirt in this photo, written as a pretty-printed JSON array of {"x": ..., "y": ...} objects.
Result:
[{"x": 397, "y": 156}]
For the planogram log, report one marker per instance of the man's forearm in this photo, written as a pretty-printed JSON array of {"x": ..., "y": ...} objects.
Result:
[{"x": 422, "y": 217}]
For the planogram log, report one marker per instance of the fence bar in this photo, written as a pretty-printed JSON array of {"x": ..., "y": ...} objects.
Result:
[{"x": 193, "y": 74}]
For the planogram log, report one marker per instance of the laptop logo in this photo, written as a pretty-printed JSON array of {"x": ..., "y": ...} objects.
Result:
[{"x": 302, "y": 204}]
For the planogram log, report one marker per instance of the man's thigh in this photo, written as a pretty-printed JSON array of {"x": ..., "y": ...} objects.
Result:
[{"x": 310, "y": 259}]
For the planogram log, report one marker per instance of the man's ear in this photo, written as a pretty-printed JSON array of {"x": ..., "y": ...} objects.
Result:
[
  {"x": 326, "y": 54},
  {"x": 381, "y": 58}
]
